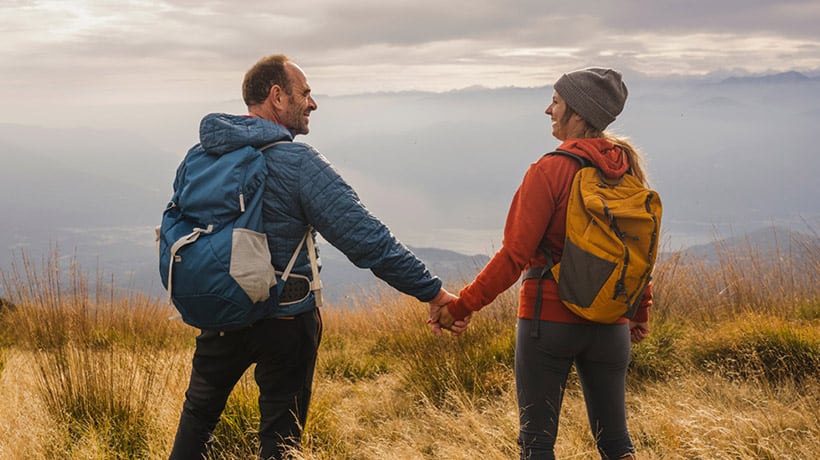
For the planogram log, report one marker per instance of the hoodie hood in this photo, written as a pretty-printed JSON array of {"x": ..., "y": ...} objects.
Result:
[
  {"x": 608, "y": 157},
  {"x": 221, "y": 133}
]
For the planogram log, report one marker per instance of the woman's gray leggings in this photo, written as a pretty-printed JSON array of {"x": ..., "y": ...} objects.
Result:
[{"x": 601, "y": 355}]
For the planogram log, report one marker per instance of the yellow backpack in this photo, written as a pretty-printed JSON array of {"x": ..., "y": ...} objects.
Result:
[{"x": 610, "y": 246}]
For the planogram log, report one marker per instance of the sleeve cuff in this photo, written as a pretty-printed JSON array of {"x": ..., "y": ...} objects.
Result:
[
  {"x": 434, "y": 292},
  {"x": 457, "y": 310}
]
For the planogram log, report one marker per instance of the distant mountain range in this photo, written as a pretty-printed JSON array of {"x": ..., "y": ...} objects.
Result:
[
  {"x": 767, "y": 243},
  {"x": 779, "y": 78}
]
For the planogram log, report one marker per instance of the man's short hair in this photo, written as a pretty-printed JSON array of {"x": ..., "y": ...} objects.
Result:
[{"x": 259, "y": 79}]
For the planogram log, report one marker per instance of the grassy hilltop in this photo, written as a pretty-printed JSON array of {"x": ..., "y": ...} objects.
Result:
[{"x": 731, "y": 370}]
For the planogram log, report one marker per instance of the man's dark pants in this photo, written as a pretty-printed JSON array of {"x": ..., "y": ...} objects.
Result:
[{"x": 284, "y": 350}]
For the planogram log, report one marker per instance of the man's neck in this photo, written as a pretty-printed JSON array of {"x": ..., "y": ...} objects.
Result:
[{"x": 260, "y": 112}]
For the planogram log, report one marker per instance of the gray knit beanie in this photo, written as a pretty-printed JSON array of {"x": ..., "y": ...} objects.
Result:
[{"x": 597, "y": 95}]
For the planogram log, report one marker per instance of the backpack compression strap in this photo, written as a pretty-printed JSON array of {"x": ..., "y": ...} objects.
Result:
[
  {"x": 315, "y": 282},
  {"x": 179, "y": 244}
]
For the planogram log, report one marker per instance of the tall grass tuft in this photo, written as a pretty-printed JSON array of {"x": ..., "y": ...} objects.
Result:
[
  {"x": 5, "y": 332},
  {"x": 96, "y": 356},
  {"x": 762, "y": 348},
  {"x": 742, "y": 279},
  {"x": 807, "y": 310},
  {"x": 351, "y": 359},
  {"x": 658, "y": 357},
  {"x": 100, "y": 393},
  {"x": 477, "y": 363},
  {"x": 52, "y": 312}
]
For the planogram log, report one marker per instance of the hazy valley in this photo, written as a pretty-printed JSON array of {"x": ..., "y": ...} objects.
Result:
[{"x": 728, "y": 156}]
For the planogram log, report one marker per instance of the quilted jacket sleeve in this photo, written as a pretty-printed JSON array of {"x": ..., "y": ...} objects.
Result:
[{"x": 335, "y": 211}]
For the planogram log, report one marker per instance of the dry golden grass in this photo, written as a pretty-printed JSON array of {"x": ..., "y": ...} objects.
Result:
[
  {"x": 706, "y": 417},
  {"x": 730, "y": 371},
  {"x": 98, "y": 366}
]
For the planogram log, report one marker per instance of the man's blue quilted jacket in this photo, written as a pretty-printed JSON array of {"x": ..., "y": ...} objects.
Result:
[{"x": 303, "y": 189}]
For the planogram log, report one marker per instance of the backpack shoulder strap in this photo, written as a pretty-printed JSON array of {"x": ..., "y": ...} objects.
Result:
[
  {"x": 584, "y": 162},
  {"x": 542, "y": 273},
  {"x": 267, "y": 146}
]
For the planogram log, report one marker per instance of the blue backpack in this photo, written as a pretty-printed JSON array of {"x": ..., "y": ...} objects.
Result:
[{"x": 214, "y": 258}]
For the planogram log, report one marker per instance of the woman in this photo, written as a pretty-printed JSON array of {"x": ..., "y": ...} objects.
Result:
[{"x": 584, "y": 103}]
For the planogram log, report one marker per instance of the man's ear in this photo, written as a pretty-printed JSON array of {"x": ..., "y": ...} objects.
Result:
[{"x": 275, "y": 95}]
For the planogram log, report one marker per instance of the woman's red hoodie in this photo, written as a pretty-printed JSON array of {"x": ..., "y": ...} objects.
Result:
[{"x": 537, "y": 219}]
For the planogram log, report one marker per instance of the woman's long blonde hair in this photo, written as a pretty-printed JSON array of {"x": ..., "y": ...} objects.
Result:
[{"x": 633, "y": 156}]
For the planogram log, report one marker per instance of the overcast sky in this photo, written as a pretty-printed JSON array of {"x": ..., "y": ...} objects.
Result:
[{"x": 109, "y": 51}]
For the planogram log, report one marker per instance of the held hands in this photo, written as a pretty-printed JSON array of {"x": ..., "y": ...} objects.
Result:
[{"x": 440, "y": 317}]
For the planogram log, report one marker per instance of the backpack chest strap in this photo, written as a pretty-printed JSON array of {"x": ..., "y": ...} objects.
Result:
[{"x": 537, "y": 273}]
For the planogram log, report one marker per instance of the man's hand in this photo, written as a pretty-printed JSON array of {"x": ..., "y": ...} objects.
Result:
[{"x": 440, "y": 317}]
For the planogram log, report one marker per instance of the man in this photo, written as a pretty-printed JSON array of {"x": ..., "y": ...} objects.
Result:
[{"x": 303, "y": 190}]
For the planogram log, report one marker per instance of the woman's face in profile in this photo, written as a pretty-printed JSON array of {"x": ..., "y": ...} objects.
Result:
[{"x": 556, "y": 111}]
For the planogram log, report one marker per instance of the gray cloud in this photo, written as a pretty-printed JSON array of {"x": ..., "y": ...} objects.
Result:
[
  {"x": 187, "y": 49},
  {"x": 789, "y": 18}
]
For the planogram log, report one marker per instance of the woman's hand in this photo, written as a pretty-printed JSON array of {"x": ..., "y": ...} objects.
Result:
[{"x": 638, "y": 331}]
